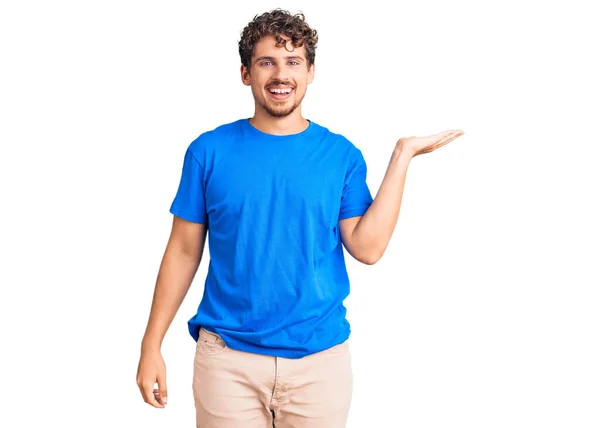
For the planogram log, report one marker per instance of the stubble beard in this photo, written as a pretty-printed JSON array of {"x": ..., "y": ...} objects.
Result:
[{"x": 279, "y": 112}]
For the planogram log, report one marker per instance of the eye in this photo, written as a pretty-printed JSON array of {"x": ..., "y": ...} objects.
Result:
[
  {"x": 293, "y": 63},
  {"x": 266, "y": 63}
]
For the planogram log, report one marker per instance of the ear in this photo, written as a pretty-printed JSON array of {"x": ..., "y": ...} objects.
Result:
[
  {"x": 245, "y": 75},
  {"x": 311, "y": 74}
]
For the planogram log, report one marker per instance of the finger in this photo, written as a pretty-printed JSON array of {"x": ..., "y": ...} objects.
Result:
[
  {"x": 157, "y": 397},
  {"x": 442, "y": 134},
  {"x": 162, "y": 388},
  {"x": 457, "y": 133},
  {"x": 434, "y": 139},
  {"x": 148, "y": 394},
  {"x": 445, "y": 140}
]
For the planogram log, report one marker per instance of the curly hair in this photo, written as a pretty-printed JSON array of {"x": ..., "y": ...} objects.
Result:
[{"x": 278, "y": 23}]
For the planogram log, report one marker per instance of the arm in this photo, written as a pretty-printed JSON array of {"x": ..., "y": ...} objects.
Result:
[
  {"x": 367, "y": 237},
  {"x": 177, "y": 270}
]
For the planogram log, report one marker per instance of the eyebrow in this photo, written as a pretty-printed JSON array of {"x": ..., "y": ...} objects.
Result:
[{"x": 270, "y": 58}]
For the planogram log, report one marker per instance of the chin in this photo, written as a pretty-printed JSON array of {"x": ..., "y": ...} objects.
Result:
[{"x": 279, "y": 110}]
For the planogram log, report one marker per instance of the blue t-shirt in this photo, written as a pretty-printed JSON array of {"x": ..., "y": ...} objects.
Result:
[{"x": 277, "y": 277}]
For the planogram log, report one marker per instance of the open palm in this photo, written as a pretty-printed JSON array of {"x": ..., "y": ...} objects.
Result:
[{"x": 420, "y": 145}]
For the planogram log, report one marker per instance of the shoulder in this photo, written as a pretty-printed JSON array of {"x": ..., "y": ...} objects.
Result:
[
  {"x": 207, "y": 140},
  {"x": 339, "y": 142}
]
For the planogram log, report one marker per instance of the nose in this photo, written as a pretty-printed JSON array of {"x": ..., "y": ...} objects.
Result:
[{"x": 280, "y": 73}]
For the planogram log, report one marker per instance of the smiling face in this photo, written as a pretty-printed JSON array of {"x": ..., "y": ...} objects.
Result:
[{"x": 278, "y": 77}]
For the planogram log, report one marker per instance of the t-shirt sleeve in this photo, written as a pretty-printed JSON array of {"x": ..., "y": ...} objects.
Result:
[
  {"x": 356, "y": 197},
  {"x": 189, "y": 202}
]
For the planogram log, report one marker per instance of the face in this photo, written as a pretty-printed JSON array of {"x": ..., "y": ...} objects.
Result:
[{"x": 278, "y": 77}]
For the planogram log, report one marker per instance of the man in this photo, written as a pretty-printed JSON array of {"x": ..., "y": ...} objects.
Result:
[{"x": 280, "y": 196}]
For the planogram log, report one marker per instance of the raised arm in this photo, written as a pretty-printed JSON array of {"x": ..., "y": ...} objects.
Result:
[{"x": 366, "y": 237}]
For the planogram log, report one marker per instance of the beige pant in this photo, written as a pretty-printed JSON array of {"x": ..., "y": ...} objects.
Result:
[{"x": 235, "y": 389}]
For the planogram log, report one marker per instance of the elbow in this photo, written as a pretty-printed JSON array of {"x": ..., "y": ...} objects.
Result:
[
  {"x": 370, "y": 259},
  {"x": 367, "y": 253}
]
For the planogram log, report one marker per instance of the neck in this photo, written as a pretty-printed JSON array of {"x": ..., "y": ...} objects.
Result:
[{"x": 291, "y": 124}]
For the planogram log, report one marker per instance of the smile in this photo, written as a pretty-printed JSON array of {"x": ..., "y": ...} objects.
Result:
[{"x": 280, "y": 94}]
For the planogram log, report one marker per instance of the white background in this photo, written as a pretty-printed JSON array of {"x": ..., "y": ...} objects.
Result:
[{"x": 483, "y": 311}]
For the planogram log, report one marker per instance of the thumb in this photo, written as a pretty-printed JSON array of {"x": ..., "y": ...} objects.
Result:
[{"x": 162, "y": 388}]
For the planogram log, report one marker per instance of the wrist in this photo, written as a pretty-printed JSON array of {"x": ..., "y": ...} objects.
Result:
[
  {"x": 150, "y": 345},
  {"x": 402, "y": 153}
]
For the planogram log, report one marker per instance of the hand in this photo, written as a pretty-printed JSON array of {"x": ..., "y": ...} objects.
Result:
[
  {"x": 152, "y": 370},
  {"x": 419, "y": 145}
]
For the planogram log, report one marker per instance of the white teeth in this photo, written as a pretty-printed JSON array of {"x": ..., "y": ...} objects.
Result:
[{"x": 280, "y": 91}]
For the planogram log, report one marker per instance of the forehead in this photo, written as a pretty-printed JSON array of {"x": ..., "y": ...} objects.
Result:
[{"x": 266, "y": 46}]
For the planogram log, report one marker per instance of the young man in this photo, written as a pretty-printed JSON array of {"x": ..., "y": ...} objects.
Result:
[{"x": 280, "y": 197}]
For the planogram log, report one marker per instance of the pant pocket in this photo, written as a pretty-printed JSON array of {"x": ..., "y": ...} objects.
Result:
[{"x": 210, "y": 343}]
